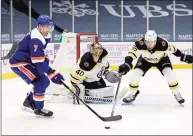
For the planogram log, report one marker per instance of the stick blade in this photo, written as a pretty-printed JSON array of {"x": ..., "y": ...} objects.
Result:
[{"x": 112, "y": 118}]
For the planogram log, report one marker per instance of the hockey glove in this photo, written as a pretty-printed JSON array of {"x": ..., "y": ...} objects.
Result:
[
  {"x": 186, "y": 58},
  {"x": 113, "y": 77},
  {"x": 124, "y": 68},
  {"x": 55, "y": 77}
]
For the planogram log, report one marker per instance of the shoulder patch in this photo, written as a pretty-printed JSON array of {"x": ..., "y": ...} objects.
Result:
[
  {"x": 140, "y": 44},
  {"x": 134, "y": 48},
  {"x": 86, "y": 62},
  {"x": 163, "y": 43}
]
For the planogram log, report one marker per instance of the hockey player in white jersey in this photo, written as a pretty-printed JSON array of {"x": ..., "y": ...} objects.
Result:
[
  {"x": 154, "y": 52},
  {"x": 87, "y": 78}
]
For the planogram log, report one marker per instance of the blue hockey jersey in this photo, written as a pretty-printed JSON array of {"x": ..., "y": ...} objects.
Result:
[{"x": 31, "y": 51}]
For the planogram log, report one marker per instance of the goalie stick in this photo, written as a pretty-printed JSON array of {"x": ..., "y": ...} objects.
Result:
[
  {"x": 21, "y": 6},
  {"x": 112, "y": 118}
]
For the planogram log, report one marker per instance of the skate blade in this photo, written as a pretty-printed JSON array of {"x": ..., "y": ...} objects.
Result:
[
  {"x": 27, "y": 109},
  {"x": 45, "y": 117},
  {"x": 130, "y": 103},
  {"x": 181, "y": 105},
  {"x": 31, "y": 111}
]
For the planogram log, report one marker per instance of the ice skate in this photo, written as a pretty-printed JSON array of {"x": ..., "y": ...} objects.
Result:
[
  {"x": 43, "y": 112},
  {"x": 130, "y": 98},
  {"x": 28, "y": 104},
  {"x": 179, "y": 98}
]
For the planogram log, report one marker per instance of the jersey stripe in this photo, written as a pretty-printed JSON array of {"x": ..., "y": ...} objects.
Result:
[{"x": 27, "y": 72}]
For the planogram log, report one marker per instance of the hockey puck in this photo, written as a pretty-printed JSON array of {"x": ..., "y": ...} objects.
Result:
[{"x": 107, "y": 127}]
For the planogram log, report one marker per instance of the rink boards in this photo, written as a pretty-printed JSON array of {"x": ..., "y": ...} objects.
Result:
[{"x": 117, "y": 52}]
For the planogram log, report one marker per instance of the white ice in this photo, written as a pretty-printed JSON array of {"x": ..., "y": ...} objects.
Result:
[{"x": 155, "y": 111}]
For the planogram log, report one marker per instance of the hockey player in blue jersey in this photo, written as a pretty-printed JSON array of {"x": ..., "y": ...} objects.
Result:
[{"x": 31, "y": 64}]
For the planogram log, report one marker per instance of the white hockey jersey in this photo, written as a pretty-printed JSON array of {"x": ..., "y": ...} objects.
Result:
[
  {"x": 161, "y": 49},
  {"x": 88, "y": 70}
]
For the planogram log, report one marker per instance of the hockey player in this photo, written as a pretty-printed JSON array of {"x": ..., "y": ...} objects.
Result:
[
  {"x": 87, "y": 78},
  {"x": 154, "y": 52},
  {"x": 31, "y": 64}
]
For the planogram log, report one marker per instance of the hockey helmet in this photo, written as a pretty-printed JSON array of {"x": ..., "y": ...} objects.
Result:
[
  {"x": 96, "y": 50},
  {"x": 45, "y": 20},
  {"x": 150, "y": 39}
]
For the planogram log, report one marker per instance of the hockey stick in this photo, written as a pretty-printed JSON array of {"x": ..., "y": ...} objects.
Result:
[
  {"x": 12, "y": 50},
  {"x": 112, "y": 118},
  {"x": 21, "y": 6},
  {"x": 115, "y": 100}
]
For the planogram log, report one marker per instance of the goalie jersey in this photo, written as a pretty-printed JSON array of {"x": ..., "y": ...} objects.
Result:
[
  {"x": 161, "y": 49},
  {"x": 89, "y": 71}
]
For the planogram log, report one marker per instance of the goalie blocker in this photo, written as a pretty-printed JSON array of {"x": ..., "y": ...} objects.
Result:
[{"x": 87, "y": 78}]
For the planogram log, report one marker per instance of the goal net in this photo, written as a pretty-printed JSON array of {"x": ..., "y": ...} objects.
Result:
[{"x": 72, "y": 47}]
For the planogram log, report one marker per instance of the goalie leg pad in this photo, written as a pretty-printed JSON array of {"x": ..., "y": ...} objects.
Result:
[
  {"x": 98, "y": 100},
  {"x": 105, "y": 92},
  {"x": 100, "y": 96}
]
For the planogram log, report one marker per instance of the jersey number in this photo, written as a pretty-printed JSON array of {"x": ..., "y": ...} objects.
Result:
[
  {"x": 99, "y": 75},
  {"x": 35, "y": 48},
  {"x": 79, "y": 72}
]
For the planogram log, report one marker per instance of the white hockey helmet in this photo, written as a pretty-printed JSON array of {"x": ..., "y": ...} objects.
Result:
[{"x": 150, "y": 39}]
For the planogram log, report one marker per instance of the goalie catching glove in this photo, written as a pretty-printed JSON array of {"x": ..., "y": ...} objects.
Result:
[{"x": 112, "y": 77}]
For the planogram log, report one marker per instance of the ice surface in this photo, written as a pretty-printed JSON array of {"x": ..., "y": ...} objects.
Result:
[{"x": 155, "y": 111}]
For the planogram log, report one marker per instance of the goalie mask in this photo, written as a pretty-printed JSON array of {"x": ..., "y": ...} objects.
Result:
[
  {"x": 96, "y": 51},
  {"x": 150, "y": 39}
]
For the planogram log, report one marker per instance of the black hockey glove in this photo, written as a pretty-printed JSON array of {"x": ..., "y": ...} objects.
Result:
[
  {"x": 127, "y": 66},
  {"x": 186, "y": 58},
  {"x": 124, "y": 68}
]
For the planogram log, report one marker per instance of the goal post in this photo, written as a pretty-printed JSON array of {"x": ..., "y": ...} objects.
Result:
[
  {"x": 83, "y": 38},
  {"x": 72, "y": 47}
]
